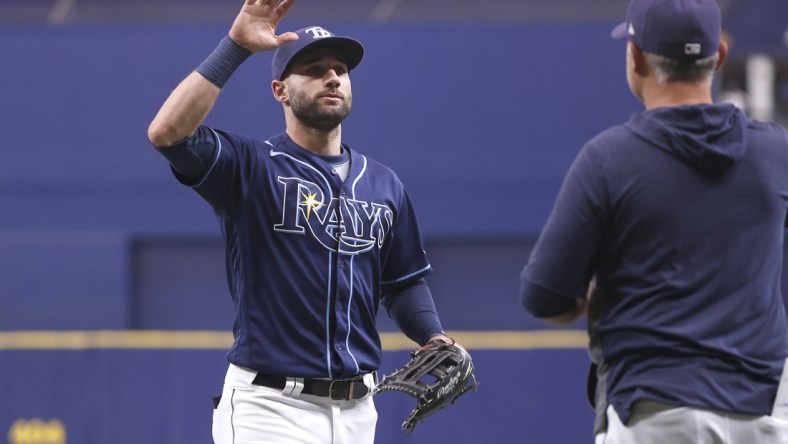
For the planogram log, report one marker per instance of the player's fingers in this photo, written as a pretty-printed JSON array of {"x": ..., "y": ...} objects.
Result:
[
  {"x": 284, "y": 6},
  {"x": 286, "y": 38}
]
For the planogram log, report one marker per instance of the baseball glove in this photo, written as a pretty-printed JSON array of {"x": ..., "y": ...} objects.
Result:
[{"x": 436, "y": 375}]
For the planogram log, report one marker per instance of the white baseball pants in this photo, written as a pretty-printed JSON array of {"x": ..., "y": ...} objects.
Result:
[{"x": 252, "y": 414}]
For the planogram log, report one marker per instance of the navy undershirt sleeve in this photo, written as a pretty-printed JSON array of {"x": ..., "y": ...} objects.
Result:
[{"x": 411, "y": 307}]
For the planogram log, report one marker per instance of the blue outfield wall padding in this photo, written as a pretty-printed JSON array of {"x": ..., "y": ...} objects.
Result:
[
  {"x": 63, "y": 280},
  {"x": 164, "y": 396},
  {"x": 480, "y": 121}
]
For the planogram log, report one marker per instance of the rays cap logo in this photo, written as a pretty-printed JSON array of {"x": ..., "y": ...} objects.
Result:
[
  {"x": 676, "y": 29},
  {"x": 315, "y": 37}
]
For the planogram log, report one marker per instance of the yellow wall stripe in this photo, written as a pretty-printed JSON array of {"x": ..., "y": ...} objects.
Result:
[{"x": 210, "y": 340}]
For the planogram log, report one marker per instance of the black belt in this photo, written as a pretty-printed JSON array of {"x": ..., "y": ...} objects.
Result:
[{"x": 336, "y": 389}]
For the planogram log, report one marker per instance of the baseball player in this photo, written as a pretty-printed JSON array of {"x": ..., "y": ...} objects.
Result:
[
  {"x": 679, "y": 214},
  {"x": 317, "y": 236}
]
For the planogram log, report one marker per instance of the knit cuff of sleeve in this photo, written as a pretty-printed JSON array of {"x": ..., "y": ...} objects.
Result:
[{"x": 223, "y": 61}]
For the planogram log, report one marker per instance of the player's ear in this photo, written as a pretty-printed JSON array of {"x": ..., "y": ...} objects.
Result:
[
  {"x": 723, "y": 52},
  {"x": 279, "y": 90},
  {"x": 640, "y": 65}
]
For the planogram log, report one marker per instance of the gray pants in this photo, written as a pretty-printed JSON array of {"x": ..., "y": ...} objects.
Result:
[{"x": 654, "y": 423}]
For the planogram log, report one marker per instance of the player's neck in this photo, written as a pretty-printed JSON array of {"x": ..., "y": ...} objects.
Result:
[
  {"x": 323, "y": 143},
  {"x": 677, "y": 94}
]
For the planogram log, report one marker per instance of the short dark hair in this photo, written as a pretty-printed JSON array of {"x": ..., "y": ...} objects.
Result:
[{"x": 692, "y": 71}]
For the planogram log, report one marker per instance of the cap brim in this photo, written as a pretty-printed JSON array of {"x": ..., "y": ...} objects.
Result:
[
  {"x": 620, "y": 31},
  {"x": 352, "y": 50}
]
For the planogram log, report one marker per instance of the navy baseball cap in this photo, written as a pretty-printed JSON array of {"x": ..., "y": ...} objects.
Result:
[
  {"x": 314, "y": 37},
  {"x": 676, "y": 29}
]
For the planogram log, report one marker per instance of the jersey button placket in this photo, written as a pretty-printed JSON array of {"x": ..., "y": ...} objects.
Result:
[
  {"x": 342, "y": 296},
  {"x": 342, "y": 326}
]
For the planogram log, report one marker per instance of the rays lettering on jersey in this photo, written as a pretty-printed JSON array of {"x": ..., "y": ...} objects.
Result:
[{"x": 342, "y": 224}]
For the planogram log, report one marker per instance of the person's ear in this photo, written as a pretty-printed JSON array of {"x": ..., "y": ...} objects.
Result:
[
  {"x": 723, "y": 52},
  {"x": 279, "y": 89},
  {"x": 639, "y": 60}
]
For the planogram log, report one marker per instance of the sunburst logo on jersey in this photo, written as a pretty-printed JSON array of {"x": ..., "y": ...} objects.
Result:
[{"x": 311, "y": 203}]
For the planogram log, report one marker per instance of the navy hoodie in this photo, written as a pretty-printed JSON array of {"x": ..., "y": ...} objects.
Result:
[{"x": 680, "y": 215}]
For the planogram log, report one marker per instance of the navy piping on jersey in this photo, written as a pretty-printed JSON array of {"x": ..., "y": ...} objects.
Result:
[{"x": 215, "y": 159}]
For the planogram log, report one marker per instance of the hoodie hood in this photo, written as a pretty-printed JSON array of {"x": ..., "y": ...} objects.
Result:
[{"x": 712, "y": 138}]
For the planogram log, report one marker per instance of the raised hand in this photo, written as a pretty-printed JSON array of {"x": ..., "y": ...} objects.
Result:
[{"x": 255, "y": 26}]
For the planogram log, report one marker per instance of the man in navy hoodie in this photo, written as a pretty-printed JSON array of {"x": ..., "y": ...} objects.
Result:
[{"x": 668, "y": 232}]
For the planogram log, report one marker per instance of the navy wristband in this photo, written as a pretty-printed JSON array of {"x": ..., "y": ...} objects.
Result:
[{"x": 223, "y": 61}]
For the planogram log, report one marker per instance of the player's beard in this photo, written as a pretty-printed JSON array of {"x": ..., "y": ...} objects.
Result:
[{"x": 308, "y": 111}]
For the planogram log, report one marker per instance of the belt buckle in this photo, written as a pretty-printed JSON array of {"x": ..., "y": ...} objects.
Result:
[
  {"x": 345, "y": 397},
  {"x": 350, "y": 394}
]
